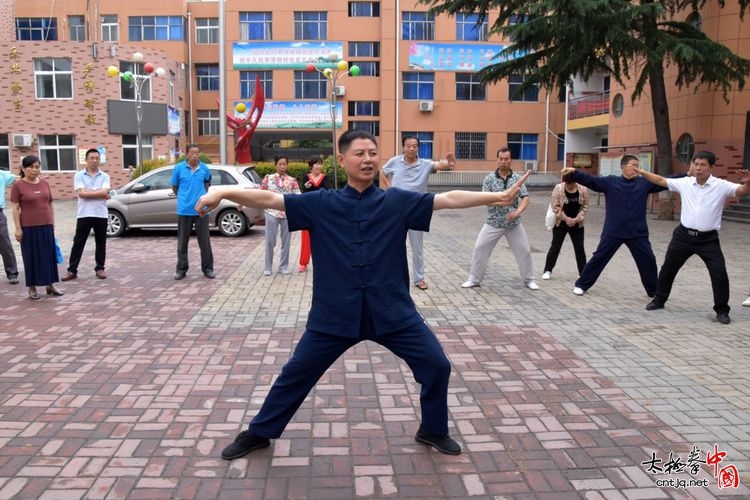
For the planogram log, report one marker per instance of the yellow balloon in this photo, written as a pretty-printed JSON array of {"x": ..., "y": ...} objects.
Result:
[
  {"x": 342, "y": 65},
  {"x": 241, "y": 108},
  {"x": 327, "y": 72},
  {"x": 113, "y": 71}
]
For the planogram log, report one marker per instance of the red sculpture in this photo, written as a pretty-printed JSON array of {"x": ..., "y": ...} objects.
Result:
[{"x": 246, "y": 125}]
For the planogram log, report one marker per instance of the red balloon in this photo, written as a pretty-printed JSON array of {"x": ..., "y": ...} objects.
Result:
[
  {"x": 310, "y": 67},
  {"x": 148, "y": 68}
]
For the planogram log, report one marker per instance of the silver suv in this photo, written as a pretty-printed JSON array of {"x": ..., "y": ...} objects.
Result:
[{"x": 148, "y": 202}]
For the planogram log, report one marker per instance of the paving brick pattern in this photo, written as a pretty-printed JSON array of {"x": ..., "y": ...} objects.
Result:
[{"x": 130, "y": 387}]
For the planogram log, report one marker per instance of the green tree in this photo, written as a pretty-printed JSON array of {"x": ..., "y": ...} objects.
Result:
[{"x": 629, "y": 40}]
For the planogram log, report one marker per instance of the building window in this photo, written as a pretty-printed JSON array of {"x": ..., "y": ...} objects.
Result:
[
  {"x": 364, "y": 108},
  {"x": 685, "y": 148},
  {"x": 110, "y": 28},
  {"x": 76, "y": 28},
  {"x": 207, "y": 77},
  {"x": 469, "y": 88},
  {"x": 417, "y": 26},
  {"x": 130, "y": 149},
  {"x": 364, "y": 9},
  {"x": 170, "y": 28},
  {"x": 518, "y": 19},
  {"x": 426, "y": 143},
  {"x": 523, "y": 146},
  {"x": 367, "y": 68},
  {"x": 36, "y": 28},
  {"x": 207, "y": 30},
  {"x": 364, "y": 49},
  {"x": 309, "y": 85},
  {"x": 618, "y": 105},
  {"x": 560, "y": 147},
  {"x": 255, "y": 26},
  {"x": 531, "y": 94},
  {"x": 310, "y": 25},
  {"x": 247, "y": 83},
  {"x": 372, "y": 127},
  {"x": 418, "y": 85},
  {"x": 53, "y": 78},
  {"x": 127, "y": 89},
  {"x": 208, "y": 122},
  {"x": 4, "y": 152},
  {"x": 695, "y": 20},
  {"x": 58, "y": 153},
  {"x": 469, "y": 28},
  {"x": 471, "y": 145}
]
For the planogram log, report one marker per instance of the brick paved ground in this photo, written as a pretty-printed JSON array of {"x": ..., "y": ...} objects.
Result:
[{"x": 130, "y": 387}]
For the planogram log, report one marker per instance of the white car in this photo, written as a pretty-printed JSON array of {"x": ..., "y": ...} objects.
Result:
[{"x": 149, "y": 203}]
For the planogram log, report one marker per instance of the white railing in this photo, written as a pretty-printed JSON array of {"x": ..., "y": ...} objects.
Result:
[{"x": 471, "y": 178}]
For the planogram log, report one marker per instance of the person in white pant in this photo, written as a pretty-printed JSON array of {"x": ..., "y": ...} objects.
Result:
[
  {"x": 503, "y": 221},
  {"x": 276, "y": 222},
  {"x": 411, "y": 173}
]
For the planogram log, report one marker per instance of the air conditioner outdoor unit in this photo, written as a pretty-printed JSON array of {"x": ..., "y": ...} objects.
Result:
[
  {"x": 425, "y": 105},
  {"x": 530, "y": 165},
  {"x": 339, "y": 91},
  {"x": 22, "y": 140}
]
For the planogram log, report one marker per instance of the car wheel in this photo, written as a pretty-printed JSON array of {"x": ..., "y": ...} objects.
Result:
[
  {"x": 115, "y": 224},
  {"x": 231, "y": 223}
]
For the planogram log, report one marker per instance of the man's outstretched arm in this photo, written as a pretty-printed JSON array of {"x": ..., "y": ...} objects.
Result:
[
  {"x": 653, "y": 178},
  {"x": 257, "y": 198},
  {"x": 466, "y": 199}
]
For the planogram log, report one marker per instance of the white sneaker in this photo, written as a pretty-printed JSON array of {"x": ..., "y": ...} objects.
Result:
[
  {"x": 547, "y": 275},
  {"x": 578, "y": 291},
  {"x": 469, "y": 284},
  {"x": 747, "y": 302},
  {"x": 531, "y": 285},
  {"x": 266, "y": 273}
]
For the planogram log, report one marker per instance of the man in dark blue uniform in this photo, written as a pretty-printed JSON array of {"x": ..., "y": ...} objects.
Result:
[
  {"x": 360, "y": 287},
  {"x": 624, "y": 222}
]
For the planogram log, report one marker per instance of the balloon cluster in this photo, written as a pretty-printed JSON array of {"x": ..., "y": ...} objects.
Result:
[
  {"x": 341, "y": 65},
  {"x": 148, "y": 68}
]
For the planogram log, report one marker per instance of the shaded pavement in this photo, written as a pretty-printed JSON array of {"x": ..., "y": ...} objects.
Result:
[{"x": 130, "y": 387}]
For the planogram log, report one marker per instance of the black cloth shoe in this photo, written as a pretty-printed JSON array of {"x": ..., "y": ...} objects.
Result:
[
  {"x": 654, "y": 304},
  {"x": 723, "y": 318},
  {"x": 443, "y": 444},
  {"x": 209, "y": 274},
  {"x": 179, "y": 275},
  {"x": 244, "y": 443}
]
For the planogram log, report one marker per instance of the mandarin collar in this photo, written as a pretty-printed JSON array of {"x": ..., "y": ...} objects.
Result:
[{"x": 353, "y": 193}]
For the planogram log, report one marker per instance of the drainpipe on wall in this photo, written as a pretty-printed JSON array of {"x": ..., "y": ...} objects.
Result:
[
  {"x": 189, "y": 78},
  {"x": 222, "y": 86},
  {"x": 396, "y": 99}
]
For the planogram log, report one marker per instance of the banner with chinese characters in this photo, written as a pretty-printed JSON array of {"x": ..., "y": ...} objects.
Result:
[
  {"x": 297, "y": 114},
  {"x": 453, "y": 56},
  {"x": 284, "y": 55}
]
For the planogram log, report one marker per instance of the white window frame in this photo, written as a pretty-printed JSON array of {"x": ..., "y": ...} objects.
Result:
[
  {"x": 208, "y": 122},
  {"x": 66, "y": 154},
  {"x": 110, "y": 28},
  {"x": 55, "y": 74},
  {"x": 77, "y": 32},
  {"x": 209, "y": 28}
]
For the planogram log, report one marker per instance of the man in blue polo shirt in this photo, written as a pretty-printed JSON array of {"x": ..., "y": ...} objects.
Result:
[
  {"x": 360, "y": 287},
  {"x": 6, "y": 247},
  {"x": 92, "y": 187},
  {"x": 190, "y": 180}
]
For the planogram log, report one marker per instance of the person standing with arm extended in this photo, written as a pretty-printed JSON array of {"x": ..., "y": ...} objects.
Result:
[
  {"x": 190, "y": 180},
  {"x": 503, "y": 221},
  {"x": 703, "y": 197},
  {"x": 355, "y": 274},
  {"x": 276, "y": 223},
  {"x": 34, "y": 217},
  {"x": 91, "y": 185},
  {"x": 6, "y": 247},
  {"x": 412, "y": 173},
  {"x": 316, "y": 179},
  {"x": 570, "y": 201}
]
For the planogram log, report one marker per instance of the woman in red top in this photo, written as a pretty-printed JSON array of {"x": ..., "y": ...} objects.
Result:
[
  {"x": 316, "y": 179},
  {"x": 35, "y": 227}
]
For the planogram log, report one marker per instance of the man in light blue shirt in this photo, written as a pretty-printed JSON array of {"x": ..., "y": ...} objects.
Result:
[
  {"x": 6, "y": 247},
  {"x": 411, "y": 173},
  {"x": 92, "y": 187},
  {"x": 190, "y": 181}
]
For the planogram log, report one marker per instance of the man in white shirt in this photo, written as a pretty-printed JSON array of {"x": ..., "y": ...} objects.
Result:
[
  {"x": 411, "y": 173},
  {"x": 703, "y": 197}
]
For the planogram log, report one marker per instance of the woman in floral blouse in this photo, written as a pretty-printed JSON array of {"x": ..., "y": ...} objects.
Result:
[{"x": 282, "y": 183}]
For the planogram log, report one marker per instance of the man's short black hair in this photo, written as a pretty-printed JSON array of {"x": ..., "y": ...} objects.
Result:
[
  {"x": 89, "y": 151},
  {"x": 705, "y": 155},
  {"x": 350, "y": 136}
]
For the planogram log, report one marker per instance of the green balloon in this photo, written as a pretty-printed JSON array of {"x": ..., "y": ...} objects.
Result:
[
  {"x": 354, "y": 70},
  {"x": 127, "y": 76}
]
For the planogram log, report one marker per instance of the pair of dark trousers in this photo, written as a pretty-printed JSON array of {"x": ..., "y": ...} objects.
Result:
[
  {"x": 316, "y": 352},
  {"x": 640, "y": 249},
  {"x": 686, "y": 243},
  {"x": 558, "y": 237},
  {"x": 6, "y": 249},
  {"x": 84, "y": 225},
  {"x": 184, "y": 227}
]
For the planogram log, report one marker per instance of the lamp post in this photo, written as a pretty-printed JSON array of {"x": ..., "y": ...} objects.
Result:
[
  {"x": 136, "y": 83},
  {"x": 333, "y": 75}
]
